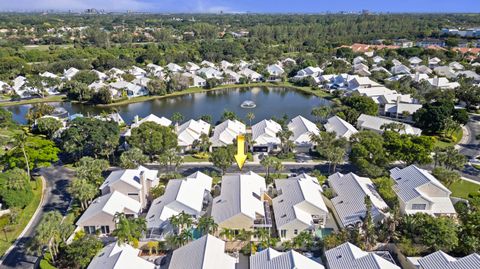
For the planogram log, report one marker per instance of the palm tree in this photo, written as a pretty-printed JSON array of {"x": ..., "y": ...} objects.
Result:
[
  {"x": 83, "y": 191},
  {"x": 267, "y": 162},
  {"x": 227, "y": 234},
  {"x": 177, "y": 117},
  {"x": 20, "y": 142},
  {"x": 321, "y": 113},
  {"x": 48, "y": 232},
  {"x": 186, "y": 220},
  {"x": 250, "y": 117},
  {"x": 244, "y": 235},
  {"x": 127, "y": 230},
  {"x": 186, "y": 236},
  {"x": 175, "y": 222},
  {"x": 334, "y": 156},
  {"x": 207, "y": 225},
  {"x": 285, "y": 143}
]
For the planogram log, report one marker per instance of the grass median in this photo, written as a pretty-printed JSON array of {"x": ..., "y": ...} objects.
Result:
[{"x": 9, "y": 235}]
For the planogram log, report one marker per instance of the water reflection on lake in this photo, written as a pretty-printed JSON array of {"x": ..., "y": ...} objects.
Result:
[{"x": 270, "y": 102}]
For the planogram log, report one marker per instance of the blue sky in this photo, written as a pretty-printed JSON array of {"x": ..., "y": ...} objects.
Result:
[{"x": 262, "y": 6}]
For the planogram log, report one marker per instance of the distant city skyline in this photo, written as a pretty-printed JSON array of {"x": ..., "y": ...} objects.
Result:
[{"x": 242, "y": 6}]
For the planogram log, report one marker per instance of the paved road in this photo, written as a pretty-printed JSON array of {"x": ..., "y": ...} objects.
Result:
[
  {"x": 187, "y": 169},
  {"x": 56, "y": 198},
  {"x": 471, "y": 147}
]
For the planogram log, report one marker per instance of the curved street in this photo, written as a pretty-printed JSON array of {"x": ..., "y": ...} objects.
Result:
[{"x": 56, "y": 197}]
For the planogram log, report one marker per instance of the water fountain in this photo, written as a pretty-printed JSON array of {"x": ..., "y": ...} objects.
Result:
[{"x": 248, "y": 104}]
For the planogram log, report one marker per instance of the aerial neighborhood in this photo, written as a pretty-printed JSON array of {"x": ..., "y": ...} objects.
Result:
[{"x": 261, "y": 141}]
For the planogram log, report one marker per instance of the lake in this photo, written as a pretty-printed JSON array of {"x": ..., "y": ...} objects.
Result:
[{"x": 270, "y": 102}]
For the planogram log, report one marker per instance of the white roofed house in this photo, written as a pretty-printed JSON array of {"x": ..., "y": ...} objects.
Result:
[
  {"x": 445, "y": 71},
  {"x": 117, "y": 256},
  {"x": 207, "y": 252},
  {"x": 299, "y": 206},
  {"x": 423, "y": 69},
  {"x": 357, "y": 82},
  {"x": 150, "y": 118},
  {"x": 115, "y": 73},
  {"x": 242, "y": 203},
  {"x": 350, "y": 191},
  {"x": 132, "y": 90},
  {"x": 443, "y": 83},
  {"x": 420, "y": 192},
  {"x": 190, "y": 195},
  {"x": 302, "y": 130},
  {"x": 190, "y": 131},
  {"x": 377, "y": 59},
  {"x": 440, "y": 259},
  {"x": 456, "y": 66},
  {"x": 401, "y": 110},
  {"x": 225, "y": 65},
  {"x": 70, "y": 73},
  {"x": 155, "y": 70},
  {"x": 101, "y": 76},
  {"x": 340, "y": 127},
  {"x": 174, "y": 68},
  {"x": 275, "y": 72},
  {"x": 197, "y": 81},
  {"x": 349, "y": 256},
  {"x": 434, "y": 62},
  {"x": 309, "y": 72},
  {"x": 206, "y": 63},
  {"x": 100, "y": 214},
  {"x": 271, "y": 259},
  {"x": 361, "y": 69},
  {"x": 415, "y": 61},
  {"x": 251, "y": 75},
  {"x": 135, "y": 183},
  {"x": 20, "y": 88},
  {"x": 231, "y": 77},
  {"x": 191, "y": 67},
  {"x": 400, "y": 69},
  {"x": 469, "y": 74},
  {"x": 358, "y": 60},
  {"x": 376, "y": 124},
  {"x": 226, "y": 132},
  {"x": 210, "y": 72},
  {"x": 137, "y": 72},
  {"x": 264, "y": 136}
]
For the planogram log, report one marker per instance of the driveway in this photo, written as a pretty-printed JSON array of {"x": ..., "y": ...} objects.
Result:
[{"x": 56, "y": 198}]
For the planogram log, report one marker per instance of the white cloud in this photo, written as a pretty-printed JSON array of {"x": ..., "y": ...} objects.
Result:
[{"x": 114, "y": 5}]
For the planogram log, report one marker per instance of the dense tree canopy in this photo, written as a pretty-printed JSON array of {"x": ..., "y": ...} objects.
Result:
[{"x": 90, "y": 137}]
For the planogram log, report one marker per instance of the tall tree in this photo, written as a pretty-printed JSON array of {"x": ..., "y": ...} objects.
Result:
[
  {"x": 222, "y": 158},
  {"x": 153, "y": 139},
  {"x": 83, "y": 191}
]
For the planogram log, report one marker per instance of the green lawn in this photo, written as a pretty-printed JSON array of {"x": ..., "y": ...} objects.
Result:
[
  {"x": 24, "y": 217},
  {"x": 462, "y": 188},
  {"x": 47, "y": 47},
  {"x": 442, "y": 144},
  {"x": 51, "y": 98},
  {"x": 191, "y": 159}
]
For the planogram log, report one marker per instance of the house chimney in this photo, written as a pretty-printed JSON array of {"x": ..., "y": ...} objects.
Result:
[
  {"x": 435, "y": 81},
  {"x": 417, "y": 77}
]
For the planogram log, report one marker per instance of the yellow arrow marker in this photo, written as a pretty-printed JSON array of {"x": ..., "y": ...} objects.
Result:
[{"x": 240, "y": 157}]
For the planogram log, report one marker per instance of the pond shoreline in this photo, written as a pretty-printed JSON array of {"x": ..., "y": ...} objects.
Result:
[{"x": 62, "y": 98}]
